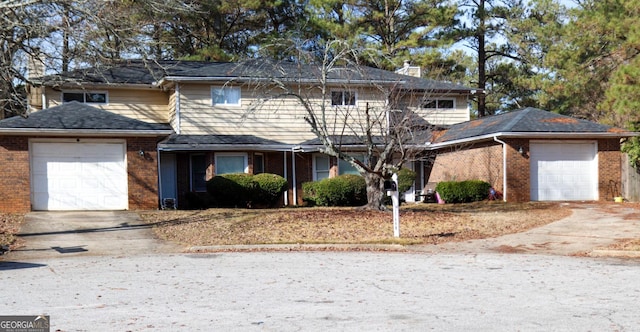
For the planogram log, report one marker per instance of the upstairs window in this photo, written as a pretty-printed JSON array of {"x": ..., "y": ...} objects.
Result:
[
  {"x": 227, "y": 95},
  {"x": 439, "y": 104},
  {"x": 343, "y": 98},
  {"x": 90, "y": 97}
]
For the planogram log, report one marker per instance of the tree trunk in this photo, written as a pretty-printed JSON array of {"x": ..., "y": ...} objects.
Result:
[{"x": 375, "y": 192}]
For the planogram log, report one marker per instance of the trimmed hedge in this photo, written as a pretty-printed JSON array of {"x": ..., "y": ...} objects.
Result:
[
  {"x": 464, "y": 191},
  {"x": 246, "y": 190},
  {"x": 343, "y": 190},
  {"x": 270, "y": 188}
]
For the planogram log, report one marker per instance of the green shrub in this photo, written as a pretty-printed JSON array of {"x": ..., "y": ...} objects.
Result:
[
  {"x": 232, "y": 190},
  {"x": 464, "y": 191},
  {"x": 343, "y": 190},
  {"x": 406, "y": 178},
  {"x": 269, "y": 188},
  {"x": 246, "y": 190}
]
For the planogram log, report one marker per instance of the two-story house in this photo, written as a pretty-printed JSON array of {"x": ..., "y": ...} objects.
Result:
[{"x": 143, "y": 133}]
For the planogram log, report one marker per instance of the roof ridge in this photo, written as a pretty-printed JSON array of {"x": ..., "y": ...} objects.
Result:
[{"x": 517, "y": 119}]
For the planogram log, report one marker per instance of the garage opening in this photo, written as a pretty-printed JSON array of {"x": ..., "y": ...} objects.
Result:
[
  {"x": 78, "y": 175},
  {"x": 564, "y": 171}
]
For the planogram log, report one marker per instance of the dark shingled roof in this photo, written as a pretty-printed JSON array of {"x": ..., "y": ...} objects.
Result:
[
  {"x": 79, "y": 116},
  {"x": 527, "y": 120},
  {"x": 176, "y": 139},
  {"x": 150, "y": 72}
]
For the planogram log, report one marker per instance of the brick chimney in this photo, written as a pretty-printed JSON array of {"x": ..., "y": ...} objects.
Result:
[
  {"x": 35, "y": 66},
  {"x": 408, "y": 69}
]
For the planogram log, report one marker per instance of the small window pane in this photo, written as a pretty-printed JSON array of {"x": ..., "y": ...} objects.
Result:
[
  {"x": 350, "y": 98},
  {"x": 226, "y": 96},
  {"x": 73, "y": 96},
  {"x": 336, "y": 98},
  {"x": 233, "y": 95},
  {"x": 430, "y": 104},
  {"x": 230, "y": 164},
  {"x": 99, "y": 98},
  {"x": 218, "y": 96},
  {"x": 445, "y": 103}
]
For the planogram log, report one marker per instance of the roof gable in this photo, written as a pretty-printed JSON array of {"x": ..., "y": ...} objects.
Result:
[{"x": 78, "y": 116}]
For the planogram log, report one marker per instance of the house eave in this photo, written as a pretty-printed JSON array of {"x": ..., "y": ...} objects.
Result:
[
  {"x": 83, "y": 132},
  {"x": 242, "y": 79},
  {"x": 167, "y": 147},
  {"x": 532, "y": 135}
]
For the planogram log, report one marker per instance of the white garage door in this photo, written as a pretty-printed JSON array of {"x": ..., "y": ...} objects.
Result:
[
  {"x": 564, "y": 171},
  {"x": 78, "y": 176}
]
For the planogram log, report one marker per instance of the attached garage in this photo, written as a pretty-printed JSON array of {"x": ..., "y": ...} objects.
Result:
[
  {"x": 564, "y": 171},
  {"x": 79, "y": 175}
]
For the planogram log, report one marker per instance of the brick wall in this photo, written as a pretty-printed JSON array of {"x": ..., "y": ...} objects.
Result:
[
  {"x": 15, "y": 186},
  {"x": 518, "y": 171},
  {"x": 142, "y": 173},
  {"x": 609, "y": 169},
  {"x": 479, "y": 162}
]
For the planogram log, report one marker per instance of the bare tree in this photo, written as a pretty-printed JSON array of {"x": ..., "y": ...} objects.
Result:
[{"x": 386, "y": 130}]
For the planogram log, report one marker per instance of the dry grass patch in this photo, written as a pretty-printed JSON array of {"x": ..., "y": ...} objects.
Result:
[
  {"x": 419, "y": 224},
  {"x": 9, "y": 226}
]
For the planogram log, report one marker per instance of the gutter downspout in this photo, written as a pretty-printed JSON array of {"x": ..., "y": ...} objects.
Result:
[
  {"x": 504, "y": 167},
  {"x": 293, "y": 176},
  {"x": 286, "y": 193},
  {"x": 177, "y": 129}
]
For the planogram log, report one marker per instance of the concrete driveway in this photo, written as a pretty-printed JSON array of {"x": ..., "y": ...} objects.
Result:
[
  {"x": 587, "y": 232},
  {"x": 66, "y": 234}
]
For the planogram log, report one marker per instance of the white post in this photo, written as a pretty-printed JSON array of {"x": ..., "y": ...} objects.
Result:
[
  {"x": 293, "y": 175},
  {"x": 395, "y": 198}
]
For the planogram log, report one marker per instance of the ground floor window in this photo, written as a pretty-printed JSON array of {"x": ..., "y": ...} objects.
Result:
[
  {"x": 258, "y": 163},
  {"x": 231, "y": 163},
  {"x": 198, "y": 172},
  {"x": 321, "y": 167},
  {"x": 344, "y": 167}
]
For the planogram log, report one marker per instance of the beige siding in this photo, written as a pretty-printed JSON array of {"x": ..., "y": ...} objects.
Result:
[
  {"x": 281, "y": 120},
  {"x": 460, "y": 113},
  {"x": 173, "y": 118},
  {"x": 147, "y": 105}
]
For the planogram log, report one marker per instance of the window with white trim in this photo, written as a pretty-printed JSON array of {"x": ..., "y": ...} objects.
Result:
[
  {"x": 227, "y": 95},
  {"x": 89, "y": 97},
  {"x": 321, "y": 166},
  {"x": 440, "y": 104},
  {"x": 231, "y": 162},
  {"x": 343, "y": 98},
  {"x": 344, "y": 167},
  {"x": 198, "y": 172}
]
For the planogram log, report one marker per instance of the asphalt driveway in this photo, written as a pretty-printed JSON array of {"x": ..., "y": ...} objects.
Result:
[{"x": 78, "y": 233}]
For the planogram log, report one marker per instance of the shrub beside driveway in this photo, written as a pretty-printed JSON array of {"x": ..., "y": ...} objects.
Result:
[{"x": 419, "y": 224}]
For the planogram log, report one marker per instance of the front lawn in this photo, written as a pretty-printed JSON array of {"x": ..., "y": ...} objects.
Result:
[{"x": 419, "y": 224}]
